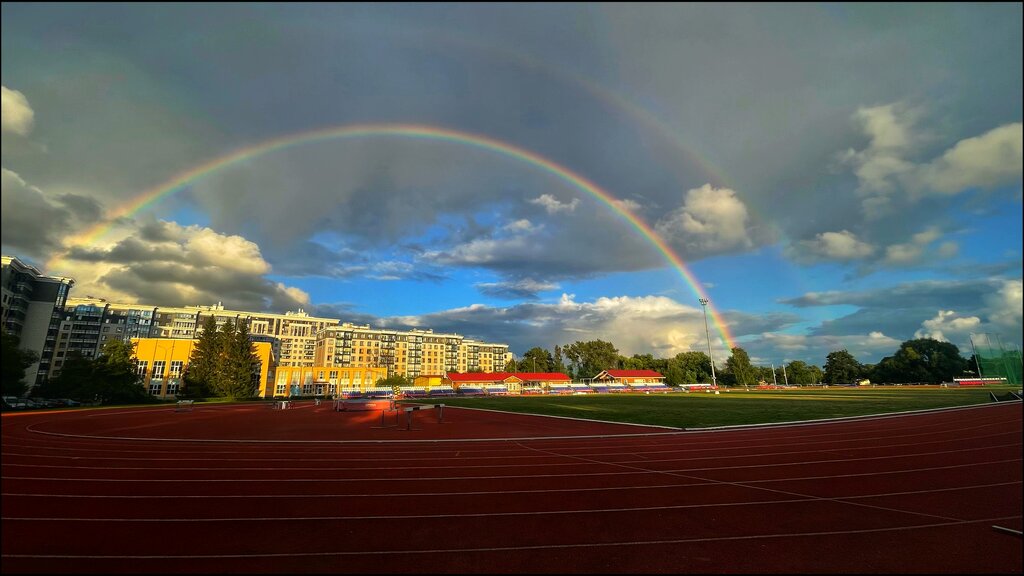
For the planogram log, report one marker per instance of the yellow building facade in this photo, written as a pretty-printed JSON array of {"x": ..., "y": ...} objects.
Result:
[
  {"x": 162, "y": 362},
  {"x": 325, "y": 380}
]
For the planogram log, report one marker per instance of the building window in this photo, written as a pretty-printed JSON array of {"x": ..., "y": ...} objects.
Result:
[
  {"x": 158, "y": 369},
  {"x": 154, "y": 387},
  {"x": 143, "y": 366},
  {"x": 176, "y": 368},
  {"x": 172, "y": 387}
]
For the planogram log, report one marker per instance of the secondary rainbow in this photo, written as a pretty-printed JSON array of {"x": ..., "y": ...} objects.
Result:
[{"x": 434, "y": 133}]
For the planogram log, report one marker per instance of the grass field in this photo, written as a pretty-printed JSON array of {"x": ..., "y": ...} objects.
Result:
[{"x": 699, "y": 409}]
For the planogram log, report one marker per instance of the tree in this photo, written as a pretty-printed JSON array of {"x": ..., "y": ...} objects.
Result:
[
  {"x": 588, "y": 359},
  {"x": 116, "y": 378},
  {"x": 536, "y": 360},
  {"x": 841, "y": 367},
  {"x": 798, "y": 372},
  {"x": 75, "y": 376},
  {"x": 510, "y": 366},
  {"x": 738, "y": 367},
  {"x": 922, "y": 360},
  {"x": 15, "y": 362},
  {"x": 695, "y": 367},
  {"x": 559, "y": 363},
  {"x": 202, "y": 365},
  {"x": 395, "y": 383},
  {"x": 237, "y": 375}
]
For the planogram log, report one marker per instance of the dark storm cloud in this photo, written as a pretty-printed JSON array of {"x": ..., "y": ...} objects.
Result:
[
  {"x": 932, "y": 294},
  {"x": 765, "y": 94}
]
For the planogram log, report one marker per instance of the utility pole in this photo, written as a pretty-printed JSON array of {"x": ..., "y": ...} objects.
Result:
[
  {"x": 775, "y": 380},
  {"x": 784, "y": 377},
  {"x": 704, "y": 304}
]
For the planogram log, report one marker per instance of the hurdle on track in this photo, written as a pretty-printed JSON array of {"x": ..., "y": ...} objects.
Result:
[
  {"x": 396, "y": 411},
  {"x": 183, "y": 406},
  {"x": 410, "y": 409}
]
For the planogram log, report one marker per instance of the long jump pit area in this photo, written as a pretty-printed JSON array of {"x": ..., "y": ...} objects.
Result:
[{"x": 244, "y": 488}]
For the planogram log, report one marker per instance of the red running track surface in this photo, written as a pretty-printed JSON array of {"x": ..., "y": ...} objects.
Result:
[{"x": 242, "y": 488}]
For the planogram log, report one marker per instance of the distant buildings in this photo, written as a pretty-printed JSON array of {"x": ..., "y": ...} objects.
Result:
[{"x": 37, "y": 309}]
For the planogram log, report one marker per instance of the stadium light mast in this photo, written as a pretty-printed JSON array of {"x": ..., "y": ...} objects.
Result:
[{"x": 704, "y": 304}]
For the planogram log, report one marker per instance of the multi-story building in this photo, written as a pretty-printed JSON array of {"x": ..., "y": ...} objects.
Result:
[
  {"x": 408, "y": 353},
  {"x": 32, "y": 305},
  {"x": 87, "y": 323},
  {"x": 325, "y": 380},
  {"x": 476, "y": 356}
]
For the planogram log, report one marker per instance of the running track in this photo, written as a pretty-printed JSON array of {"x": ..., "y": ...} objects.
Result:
[{"x": 241, "y": 488}]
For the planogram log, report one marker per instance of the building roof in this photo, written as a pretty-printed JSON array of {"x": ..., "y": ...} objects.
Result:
[
  {"x": 633, "y": 374},
  {"x": 546, "y": 376},
  {"x": 481, "y": 376}
]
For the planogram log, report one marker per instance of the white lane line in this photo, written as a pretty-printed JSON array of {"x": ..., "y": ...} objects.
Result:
[
  {"x": 519, "y": 476},
  {"x": 518, "y": 548},
  {"x": 475, "y": 493}
]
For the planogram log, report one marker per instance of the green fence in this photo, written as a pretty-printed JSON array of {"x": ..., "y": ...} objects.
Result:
[{"x": 995, "y": 359}]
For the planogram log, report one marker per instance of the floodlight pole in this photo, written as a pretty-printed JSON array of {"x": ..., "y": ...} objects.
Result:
[
  {"x": 775, "y": 380},
  {"x": 704, "y": 304},
  {"x": 784, "y": 377}
]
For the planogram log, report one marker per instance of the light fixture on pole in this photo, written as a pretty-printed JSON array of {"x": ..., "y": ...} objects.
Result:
[{"x": 704, "y": 304}]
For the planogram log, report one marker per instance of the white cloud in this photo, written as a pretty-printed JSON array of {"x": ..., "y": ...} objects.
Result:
[
  {"x": 521, "y": 225},
  {"x": 911, "y": 252},
  {"x": 1005, "y": 307},
  {"x": 553, "y": 206},
  {"x": 15, "y": 113},
  {"x": 627, "y": 204},
  {"x": 948, "y": 249},
  {"x": 515, "y": 289},
  {"x": 164, "y": 263},
  {"x": 885, "y": 167},
  {"x": 992, "y": 159},
  {"x": 842, "y": 245},
  {"x": 711, "y": 220},
  {"x": 881, "y": 163},
  {"x": 948, "y": 326}
]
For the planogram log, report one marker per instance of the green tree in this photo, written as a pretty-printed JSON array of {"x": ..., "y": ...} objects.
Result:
[
  {"x": 536, "y": 359},
  {"x": 116, "y": 378},
  {"x": 841, "y": 367},
  {"x": 922, "y": 360},
  {"x": 511, "y": 366},
  {"x": 202, "y": 368},
  {"x": 739, "y": 369},
  {"x": 237, "y": 374},
  {"x": 588, "y": 359},
  {"x": 559, "y": 363},
  {"x": 798, "y": 372},
  {"x": 76, "y": 376},
  {"x": 15, "y": 362},
  {"x": 395, "y": 383},
  {"x": 695, "y": 367}
]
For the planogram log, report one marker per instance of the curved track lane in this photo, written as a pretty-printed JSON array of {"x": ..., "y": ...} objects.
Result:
[{"x": 246, "y": 489}]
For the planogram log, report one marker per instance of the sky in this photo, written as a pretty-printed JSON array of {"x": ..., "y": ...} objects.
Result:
[{"x": 829, "y": 176}]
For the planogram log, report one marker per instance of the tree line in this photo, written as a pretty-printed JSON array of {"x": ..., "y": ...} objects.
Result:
[{"x": 922, "y": 360}]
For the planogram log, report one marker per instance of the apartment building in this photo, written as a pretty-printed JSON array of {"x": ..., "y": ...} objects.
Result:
[
  {"x": 87, "y": 323},
  {"x": 32, "y": 306},
  {"x": 408, "y": 353}
]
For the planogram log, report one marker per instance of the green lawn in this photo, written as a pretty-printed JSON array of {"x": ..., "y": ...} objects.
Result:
[{"x": 699, "y": 409}]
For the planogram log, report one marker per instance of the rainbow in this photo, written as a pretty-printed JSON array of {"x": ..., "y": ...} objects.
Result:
[{"x": 433, "y": 133}]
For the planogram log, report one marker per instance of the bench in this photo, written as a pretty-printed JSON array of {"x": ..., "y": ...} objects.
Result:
[{"x": 183, "y": 406}]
